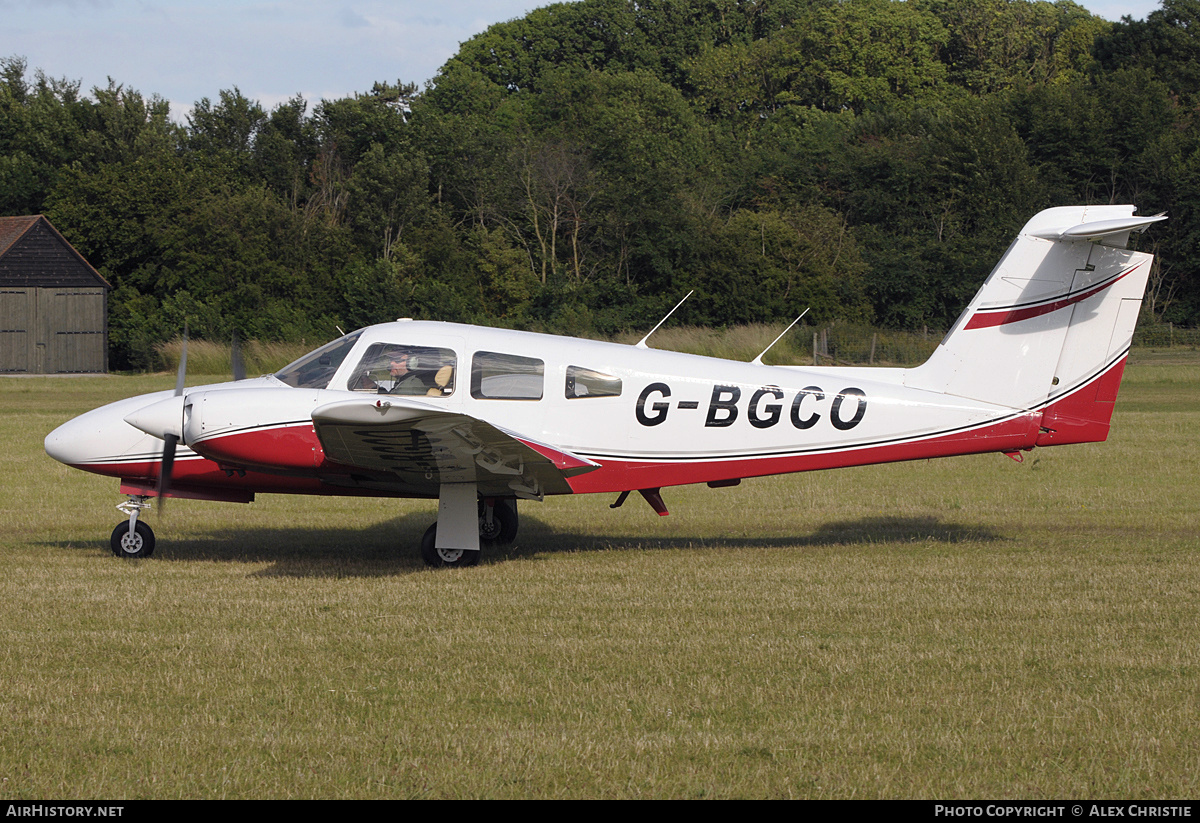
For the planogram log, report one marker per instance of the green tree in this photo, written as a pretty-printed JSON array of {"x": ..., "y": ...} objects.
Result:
[
  {"x": 769, "y": 265},
  {"x": 1166, "y": 43}
]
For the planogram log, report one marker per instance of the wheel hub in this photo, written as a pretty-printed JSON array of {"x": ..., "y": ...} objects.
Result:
[
  {"x": 450, "y": 555},
  {"x": 131, "y": 543}
]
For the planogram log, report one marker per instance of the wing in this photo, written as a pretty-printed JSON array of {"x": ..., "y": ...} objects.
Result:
[{"x": 422, "y": 446}]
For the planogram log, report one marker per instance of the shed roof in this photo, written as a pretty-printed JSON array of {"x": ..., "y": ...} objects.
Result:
[
  {"x": 34, "y": 253},
  {"x": 11, "y": 229}
]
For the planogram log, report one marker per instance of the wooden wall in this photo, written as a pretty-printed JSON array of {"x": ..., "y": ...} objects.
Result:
[{"x": 53, "y": 330}]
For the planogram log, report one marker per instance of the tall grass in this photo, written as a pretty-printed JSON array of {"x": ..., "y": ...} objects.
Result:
[
  {"x": 1165, "y": 335},
  {"x": 208, "y": 358},
  {"x": 834, "y": 343}
]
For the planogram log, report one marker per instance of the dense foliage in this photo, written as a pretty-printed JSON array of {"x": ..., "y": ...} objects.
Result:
[{"x": 581, "y": 168}]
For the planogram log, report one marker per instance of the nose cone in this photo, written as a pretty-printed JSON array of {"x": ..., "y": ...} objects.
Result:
[
  {"x": 101, "y": 436},
  {"x": 159, "y": 419},
  {"x": 69, "y": 442}
]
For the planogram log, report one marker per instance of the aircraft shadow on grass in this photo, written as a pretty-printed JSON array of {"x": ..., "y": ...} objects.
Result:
[{"x": 382, "y": 549}]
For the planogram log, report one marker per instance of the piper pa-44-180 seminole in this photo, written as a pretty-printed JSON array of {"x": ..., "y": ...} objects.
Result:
[{"x": 480, "y": 418}]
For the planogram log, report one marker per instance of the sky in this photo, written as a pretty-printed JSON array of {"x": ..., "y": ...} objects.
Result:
[{"x": 184, "y": 50}]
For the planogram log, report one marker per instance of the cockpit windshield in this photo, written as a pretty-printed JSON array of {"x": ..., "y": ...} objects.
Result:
[{"x": 315, "y": 369}]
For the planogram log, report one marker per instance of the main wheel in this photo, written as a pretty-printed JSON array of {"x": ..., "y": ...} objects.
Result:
[
  {"x": 503, "y": 528},
  {"x": 433, "y": 556},
  {"x": 138, "y": 544}
]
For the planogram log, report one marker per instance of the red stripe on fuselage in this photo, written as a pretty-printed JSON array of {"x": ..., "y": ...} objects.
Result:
[
  {"x": 1081, "y": 416},
  {"x": 1018, "y": 432}
]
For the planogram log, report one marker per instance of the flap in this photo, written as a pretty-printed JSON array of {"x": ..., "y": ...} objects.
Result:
[{"x": 423, "y": 446}]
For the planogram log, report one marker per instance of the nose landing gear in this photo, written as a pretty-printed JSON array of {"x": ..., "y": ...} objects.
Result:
[{"x": 133, "y": 538}]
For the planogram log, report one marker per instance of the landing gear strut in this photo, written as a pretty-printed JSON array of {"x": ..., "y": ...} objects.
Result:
[
  {"x": 133, "y": 538},
  {"x": 497, "y": 527}
]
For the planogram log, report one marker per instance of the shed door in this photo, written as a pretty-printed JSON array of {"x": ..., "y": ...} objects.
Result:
[
  {"x": 72, "y": 324},
  {"x": 17, "y": 318}
]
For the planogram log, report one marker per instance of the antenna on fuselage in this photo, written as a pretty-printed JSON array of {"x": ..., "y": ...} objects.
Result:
[
  {"x": 641, "y": 344},
  {"x": 339, "y": 328},
  {"x": 758, "y": 360}
]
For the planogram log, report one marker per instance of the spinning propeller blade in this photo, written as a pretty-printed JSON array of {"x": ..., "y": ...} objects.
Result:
[
  {"x": 170, "y": 441},
  {"x": 235, "y": 356}
]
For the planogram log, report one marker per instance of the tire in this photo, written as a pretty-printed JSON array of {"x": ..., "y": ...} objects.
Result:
[
  {"x": 138, "y": 544},
  {"x": 443, "y": 558},
  {"x": 503, "y": 528}
]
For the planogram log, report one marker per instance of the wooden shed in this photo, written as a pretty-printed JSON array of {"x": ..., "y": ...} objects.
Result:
[{"x": 53, "y": 304}]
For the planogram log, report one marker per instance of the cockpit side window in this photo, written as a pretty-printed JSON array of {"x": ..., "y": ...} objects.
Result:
[
  {"x": 496, "y": 376},
  {"x": 315, "y": 369},
  {"x": 415, "y": 371},
  {"x": 583, "y": 382}
]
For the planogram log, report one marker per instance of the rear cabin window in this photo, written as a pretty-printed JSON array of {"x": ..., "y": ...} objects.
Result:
[
  {"x": 496, "y": 376},
  {"x": 415, "y": 371},
  {"x": 583, "y": 382}
]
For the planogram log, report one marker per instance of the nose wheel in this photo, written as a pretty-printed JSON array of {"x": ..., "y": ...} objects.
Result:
[
  {"x": 133, "y": 538},
  {"x": 135, "y": 542}
]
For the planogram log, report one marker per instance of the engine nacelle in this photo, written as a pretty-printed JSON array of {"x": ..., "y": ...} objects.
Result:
[{"x": 227, "y": 427}]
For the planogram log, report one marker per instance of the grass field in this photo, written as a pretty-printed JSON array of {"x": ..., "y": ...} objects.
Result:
[{"x": 963, "y": 628}]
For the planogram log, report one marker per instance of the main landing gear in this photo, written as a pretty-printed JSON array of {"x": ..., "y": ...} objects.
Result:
[
  {"x": 133, "y": 538},
  {"x": 497, "y": 527}
]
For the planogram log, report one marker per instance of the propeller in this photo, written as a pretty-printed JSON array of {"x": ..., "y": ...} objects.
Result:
[
  {"x": 170, "y": 439},
  {"x": 235, "y": 357},
  {"x": 161, "y": 419}
]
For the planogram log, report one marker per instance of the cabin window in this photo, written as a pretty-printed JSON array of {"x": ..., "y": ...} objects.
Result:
[
  {"x": 415, "y": 371},
  {"x": 583, "y": 382},
  {"x": 315, "y": 369},
  {"x": 496, "y": 376}
]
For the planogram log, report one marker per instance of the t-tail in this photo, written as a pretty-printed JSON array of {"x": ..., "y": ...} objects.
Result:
[{"x": 1051, "y": 328}]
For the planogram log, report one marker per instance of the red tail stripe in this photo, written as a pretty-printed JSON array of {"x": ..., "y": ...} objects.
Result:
[{"x": 989, "y": 318}]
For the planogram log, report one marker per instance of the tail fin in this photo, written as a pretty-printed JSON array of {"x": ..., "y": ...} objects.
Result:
[{"x": 1051, "y": 327}]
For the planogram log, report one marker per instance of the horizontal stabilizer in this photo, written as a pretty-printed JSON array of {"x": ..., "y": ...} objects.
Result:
[{"x": 1099, "y": 228}]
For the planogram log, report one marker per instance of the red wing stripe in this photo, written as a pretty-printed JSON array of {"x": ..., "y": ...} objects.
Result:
[{"x": 989, "y": 318}]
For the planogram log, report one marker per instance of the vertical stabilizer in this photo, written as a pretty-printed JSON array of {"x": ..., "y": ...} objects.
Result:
[{"x": 1052, "y": 325}]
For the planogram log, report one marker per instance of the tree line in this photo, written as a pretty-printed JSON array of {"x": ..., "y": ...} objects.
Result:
[{"x": 581, "y": 168}]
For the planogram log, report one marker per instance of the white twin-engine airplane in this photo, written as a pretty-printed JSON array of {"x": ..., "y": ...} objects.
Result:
[{"x": 479, "y": 418}]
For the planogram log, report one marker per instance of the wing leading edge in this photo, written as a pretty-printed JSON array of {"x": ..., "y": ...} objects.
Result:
[{"x": 425, "y": 447}]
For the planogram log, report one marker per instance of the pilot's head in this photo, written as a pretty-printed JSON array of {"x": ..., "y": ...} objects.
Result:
[{"x": 398, "y": 366}]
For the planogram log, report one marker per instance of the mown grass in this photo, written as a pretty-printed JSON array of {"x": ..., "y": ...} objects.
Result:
[{"x": 960, "y": 628}]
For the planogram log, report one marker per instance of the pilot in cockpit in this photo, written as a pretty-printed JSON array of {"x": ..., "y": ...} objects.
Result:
[
  {"x": 405, "y": 370},
  {"x": 406, "y": 378}
]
